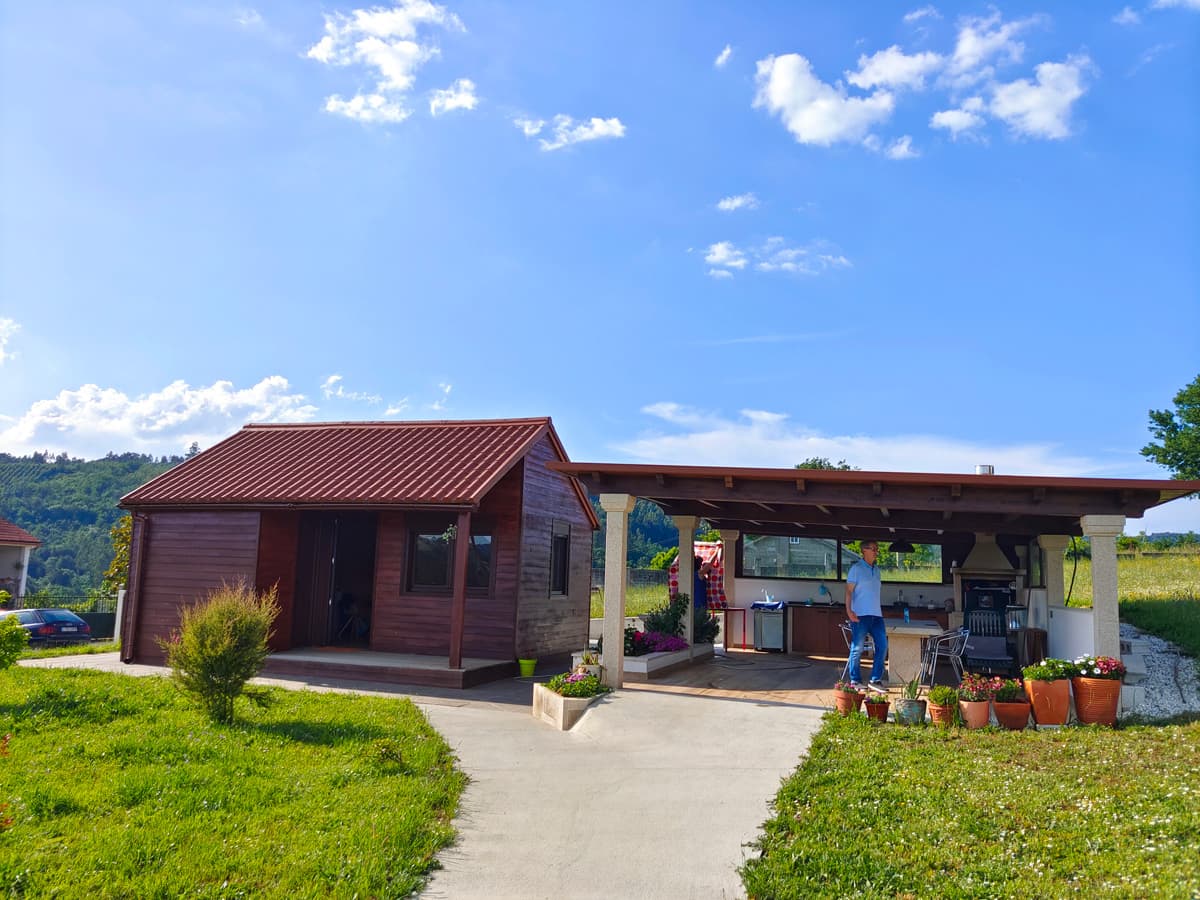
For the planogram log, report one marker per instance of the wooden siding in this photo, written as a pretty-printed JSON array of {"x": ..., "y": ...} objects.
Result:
[
  {"x": 186, "y": 555},
  {"x": 419, "y": 622},
  {"x": 279, "y": 534},
  {"x": 551, "y": 624}
]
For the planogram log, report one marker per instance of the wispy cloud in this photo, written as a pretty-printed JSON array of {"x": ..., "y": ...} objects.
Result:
[
  {"x": 460, "y": 95},
  {"x": 775, "y": 254},
  {"x": 901, "y": 148},
  {"x": 723, "y": 57},
  {"x": 893, "y": 69},
  {"x": 333, "y": 389},
  {"x": 1180, "y": 4},
  {"x": 92, "y": 420},
  {"x": 8, "y": 328},
  {"x": 738, "y": 201},
  {"x": 394, "y": 409},
  {"x": 249, "y": 18},
  {"x": 566, "y": 131},
  {"x": 440, "y": 403},
  {"x": 813, "y": 111},
  {"x": 1148, "y": 56},
  {"x": 386, "y": 43},
  {"x": 961, "y": 122},
  {"x": 1127, "y": 16},
  {"x": 983, "y": 41},
  {"x": 1042, "y": 109},
  {"x": 925, "y": 12}
]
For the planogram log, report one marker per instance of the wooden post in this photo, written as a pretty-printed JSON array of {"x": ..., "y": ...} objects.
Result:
[{"x": 458, "y": 605}]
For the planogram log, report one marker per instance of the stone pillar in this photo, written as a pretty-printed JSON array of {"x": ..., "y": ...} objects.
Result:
[
  {"x": 1103, "y": 531},
  {"x": 616, "y": 544},
  {"x": 729, "y": 538},
  {"x": 1054, "y": 545},
  {"x": 687, "y": 572}
]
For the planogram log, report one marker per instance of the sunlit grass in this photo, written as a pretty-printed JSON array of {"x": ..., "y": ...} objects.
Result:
[
  {"x": 71, "y": 650},
  {"x": 887, "y": 811},
  {"x": 1174, "y": 576},
  {"x": 118, "y": 788}
]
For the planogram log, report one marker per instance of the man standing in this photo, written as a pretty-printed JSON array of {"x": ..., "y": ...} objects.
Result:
[{"x": 866, "y": 616}]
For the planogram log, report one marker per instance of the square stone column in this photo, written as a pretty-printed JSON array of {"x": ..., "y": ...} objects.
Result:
[
  {"x": 1054, "y": 546},
  {"x": 616, "y": 545},
  {"x": 1103, "y": 531},
  {"x": 687, "y": 571}
]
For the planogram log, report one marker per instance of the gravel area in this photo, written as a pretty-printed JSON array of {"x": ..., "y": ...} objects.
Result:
[{"x": 1172, "y": 684}]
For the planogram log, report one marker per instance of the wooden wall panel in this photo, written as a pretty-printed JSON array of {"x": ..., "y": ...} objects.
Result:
[
  {"x": 551, "y": 624},
  {"x": 279, "y": 535},
  {"x": 186, "y": 555}
]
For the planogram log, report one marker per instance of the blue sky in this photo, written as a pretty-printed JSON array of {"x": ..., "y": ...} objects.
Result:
[{"x": 916, "y": 237}]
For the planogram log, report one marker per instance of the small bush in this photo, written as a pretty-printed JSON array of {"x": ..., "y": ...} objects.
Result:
[
  {"x": 221, "y": 644},
  {"x": 576, "y": 684},
  {"x": 13, "y": 641}
]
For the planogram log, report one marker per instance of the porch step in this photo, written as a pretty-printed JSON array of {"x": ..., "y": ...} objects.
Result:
[
  {"x": 1135, "y": 667},
  {"x": 1132, "y": 696}
]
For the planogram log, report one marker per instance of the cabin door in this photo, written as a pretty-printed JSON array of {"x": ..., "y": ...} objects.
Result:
[{"x": 316, "y": 574}]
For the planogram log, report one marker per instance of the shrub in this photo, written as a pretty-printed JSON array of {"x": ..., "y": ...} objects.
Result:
[
  {"x": 576, "y": 684},
  {"x": 221, "y": 644},
  {"x": 13, "y": 640},
  {"x": 943, "y": 695},
  {"x": 668, "y": 619}
]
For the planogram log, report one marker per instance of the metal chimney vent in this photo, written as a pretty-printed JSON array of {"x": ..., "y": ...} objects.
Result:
[{"x": 985, "y": 470}]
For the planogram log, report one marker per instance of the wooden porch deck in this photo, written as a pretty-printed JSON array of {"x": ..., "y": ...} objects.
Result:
[{"x": 388, "y": 668}]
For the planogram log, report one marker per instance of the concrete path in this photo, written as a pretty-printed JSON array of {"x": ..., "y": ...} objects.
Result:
[{"x": 653, "y": 794}]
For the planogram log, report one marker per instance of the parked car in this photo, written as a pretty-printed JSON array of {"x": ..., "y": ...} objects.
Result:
[{"x": 53, "y": 626}]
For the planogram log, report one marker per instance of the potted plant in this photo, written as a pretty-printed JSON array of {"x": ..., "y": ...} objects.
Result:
[
  {"x": 877, "y": 707},
  {"x": 589, "y": 664},
  {"x": 1097, "y": 689},
  {"x": 564, "y": 698},
  {"x": 1010, "y": 704},
  {"x": 974, "y": 699},
  {"x": 943, "y": 704},
  {"x": 910, "y": 708},
  {"x": 1048, "y": 687},
  {"x": 846, "y": 697}
]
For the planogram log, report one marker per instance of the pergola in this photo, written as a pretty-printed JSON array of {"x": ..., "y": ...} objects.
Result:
[{"x": 944, "y": 509}]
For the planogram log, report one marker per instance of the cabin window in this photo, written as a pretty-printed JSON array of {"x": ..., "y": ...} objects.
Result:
[
  {"x": 560, "y": 557},
  {"x": 431, "y": 560}
]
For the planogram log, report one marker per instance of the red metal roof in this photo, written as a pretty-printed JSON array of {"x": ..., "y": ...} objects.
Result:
[
  {"x": 11, "y": 534},
  {"x": 359, "y": 463}
]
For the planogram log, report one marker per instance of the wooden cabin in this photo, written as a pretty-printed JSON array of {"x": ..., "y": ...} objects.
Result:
[{"x": 359, "y": 526}]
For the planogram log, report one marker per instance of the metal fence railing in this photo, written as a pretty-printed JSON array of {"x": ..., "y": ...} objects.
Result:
[{"x": 78, "y": 603}]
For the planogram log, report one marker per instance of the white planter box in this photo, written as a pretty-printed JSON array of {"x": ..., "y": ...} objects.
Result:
[
  {"x": 639, "y": 668},
  {"x": 557, "y": 710}
]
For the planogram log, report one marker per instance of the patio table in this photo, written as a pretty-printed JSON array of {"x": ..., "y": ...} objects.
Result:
[{"x": 905, "y": 641}]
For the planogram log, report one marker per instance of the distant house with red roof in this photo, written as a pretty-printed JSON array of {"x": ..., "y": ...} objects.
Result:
[
  {"x": 360, "y": 526},
  {"x": 15, "y": 546}
]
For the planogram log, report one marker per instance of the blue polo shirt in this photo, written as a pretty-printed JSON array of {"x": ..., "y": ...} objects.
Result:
[{"x": 864, "y": 600}]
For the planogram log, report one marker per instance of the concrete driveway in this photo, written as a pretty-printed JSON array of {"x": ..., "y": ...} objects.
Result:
[{"x": 653, "y": 794}]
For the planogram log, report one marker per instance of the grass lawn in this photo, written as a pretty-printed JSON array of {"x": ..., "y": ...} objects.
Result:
[
  {"x": 1174, "y": 576},
  {"x": 889, "y": 811},
  {"x": 118, "y": 788},
  {"x": 72, "y": 650}
]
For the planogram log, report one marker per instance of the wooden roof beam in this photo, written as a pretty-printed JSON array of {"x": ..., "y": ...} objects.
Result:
[
  {"x": 800, "y": 485},
  {"x": 710, "y": 504},
  {"x": 765, "y": 506},
  {"x": 729, "y": 482},
  {"x": 824, "y": 509},
  {"x": 885, "y": 512}
]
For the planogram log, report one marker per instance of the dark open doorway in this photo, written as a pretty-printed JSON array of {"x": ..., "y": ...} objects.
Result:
[{"x": 335, "y": 576}]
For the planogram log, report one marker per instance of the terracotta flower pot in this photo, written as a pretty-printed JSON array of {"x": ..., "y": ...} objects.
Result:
[
  {"x": 1096, "y": 699},
  {"x": 877, "y": 711},
  {"x": 1051, "y": 700},
  {"x": 847, "y": 703},
  {"x": 1013, "y": 716},
  {"x": 974, "y": 712},
  {"x": 941, "y": 715},
  {"x": 910, "y": 712}
]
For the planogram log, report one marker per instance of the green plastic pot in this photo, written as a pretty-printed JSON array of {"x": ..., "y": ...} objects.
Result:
[{"x": 527, "y": 666}]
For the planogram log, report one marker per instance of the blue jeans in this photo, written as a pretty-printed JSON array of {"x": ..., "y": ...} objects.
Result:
[{"x": 872, "y": 625}]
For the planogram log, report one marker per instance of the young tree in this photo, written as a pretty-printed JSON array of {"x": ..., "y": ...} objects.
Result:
[
  {"x": 117, "y": 572},
  {"x": 1178, "y": 433},
  {"x": 821, "y": 462},
  {"x": 13, "y": 640}
]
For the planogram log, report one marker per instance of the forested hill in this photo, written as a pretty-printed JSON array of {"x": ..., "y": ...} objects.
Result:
[{"x": 70, "y": 505}]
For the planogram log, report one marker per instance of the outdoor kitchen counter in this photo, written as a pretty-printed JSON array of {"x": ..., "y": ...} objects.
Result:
[
  {"x": 814, "y": 630},
  {"x": 904, "y": 647}
]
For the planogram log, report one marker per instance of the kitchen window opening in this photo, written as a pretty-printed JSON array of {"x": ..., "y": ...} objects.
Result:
[{"x": 781, "y": 556}]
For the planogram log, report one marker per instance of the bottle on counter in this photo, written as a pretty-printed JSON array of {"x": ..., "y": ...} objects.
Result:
[{"x": 906, "y": 614}]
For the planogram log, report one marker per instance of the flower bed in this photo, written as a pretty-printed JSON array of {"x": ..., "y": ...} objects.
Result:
[
  {"x": 563, "y": 699},
  {"x": 640, "y": 668}
]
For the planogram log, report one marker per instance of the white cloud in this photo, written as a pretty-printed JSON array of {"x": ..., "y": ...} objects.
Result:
[
  {"x": 440, "y": 403},
  {"x": 1127, "y": 16},
  {"x": 776, "y": 255},
  {"x": 8, "y": 328},
  {"x": 332, "y": 388},
  {"x": 567, "y": 131},
  {"x": 901, "y": 148},
  {"x": 385, "y": 43},
  {"x": 93, "y": 420},
  {"x": 460, "y": 95},
  {"x": 738, "y": 201},
  {"x": 813, "y": 111},
  {"x": 1042, "y": 110},
  {"x": 1182, "y": 4},
  {"x": 891, "y": 68},
  {"x": 723, "y": 57},
  {"x": 719, "y": 273},
  {"x": 771, "y": 439},
  {"x": 981, "y": 40},
  {"x": 962, "y": 121},
  {"x": 530, "y": 127},
  {"x": 925, "y": 12},
  {"x": 249, "y": 18},
  {"x": 724, "y": 253},
  {"x": 394, "y": 409}
]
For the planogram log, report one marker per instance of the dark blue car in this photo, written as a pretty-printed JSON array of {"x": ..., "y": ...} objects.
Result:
[{"x": 53, "y": 626}]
